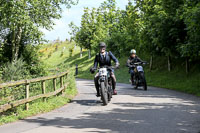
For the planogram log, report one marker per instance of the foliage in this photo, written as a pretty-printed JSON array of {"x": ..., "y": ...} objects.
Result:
[
  {"x": 156, "y": 27},
  {"x": 15, "y": 71},
  {"x": 21, "y": 21},
  {"x": 34, "y": 64},
  {"x": 191, "y": 17}
]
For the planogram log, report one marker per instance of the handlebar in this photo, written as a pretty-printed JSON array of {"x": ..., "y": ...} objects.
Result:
[
  {"x": 139, "y": 63},
  {"x": 108, "y": 67}
]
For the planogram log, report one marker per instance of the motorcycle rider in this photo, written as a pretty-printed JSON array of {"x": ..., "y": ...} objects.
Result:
[
  {"x": 103, "y": 58},
  {"x": 130, "y": 63}
]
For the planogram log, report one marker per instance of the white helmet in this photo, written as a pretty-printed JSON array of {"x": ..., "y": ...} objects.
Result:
[{"x": 133, "y": 51}]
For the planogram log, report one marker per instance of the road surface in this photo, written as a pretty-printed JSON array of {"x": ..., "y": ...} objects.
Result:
[{"x": 131, "y": 111}]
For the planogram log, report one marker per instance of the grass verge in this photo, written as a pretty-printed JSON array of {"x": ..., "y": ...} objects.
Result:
[
  {"x": 55, "y": 63},
  {"x": 38, "y": 106}
]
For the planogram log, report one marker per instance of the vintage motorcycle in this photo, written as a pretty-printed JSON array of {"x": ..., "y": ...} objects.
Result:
[
  {"x": 105, "y": 83},
  {"x": 139, "y": 77}
]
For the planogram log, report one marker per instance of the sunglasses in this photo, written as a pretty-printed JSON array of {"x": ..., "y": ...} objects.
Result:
[{"x": 102, "y": 48}]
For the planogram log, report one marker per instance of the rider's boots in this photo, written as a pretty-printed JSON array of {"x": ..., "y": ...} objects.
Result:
[
  {"x": 132, "y": 79},
  {"x": 114, "y": 86}
]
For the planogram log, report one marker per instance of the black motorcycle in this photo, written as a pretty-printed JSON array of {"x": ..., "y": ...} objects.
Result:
[
  {"x": 105, "y": 84},
  {"x": 139, "y": 77}
]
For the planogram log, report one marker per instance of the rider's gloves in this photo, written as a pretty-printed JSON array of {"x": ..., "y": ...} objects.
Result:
[
  {"x": 132, "y": 66},
  {"x": 92, "y": 70},
  {"x": 117, "y": 65}
]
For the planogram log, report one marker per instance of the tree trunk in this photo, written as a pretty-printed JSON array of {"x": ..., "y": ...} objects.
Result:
[
  {"x": 16, "y": 44},
  {"x": 151, "y": 62},
  {"x": 169, "y": 63},
  {"x": 186, "y": 65},
  {"x": 81, "y": 52},
  {"x": 13, "y": 46},
  {"x": 89, "y": 53}
]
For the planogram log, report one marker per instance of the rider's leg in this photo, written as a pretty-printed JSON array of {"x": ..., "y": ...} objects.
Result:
[
  {"x": 114, "y": 83},
  {"x": 132, "y": 75},
  {"x": 96, "y": 78}
]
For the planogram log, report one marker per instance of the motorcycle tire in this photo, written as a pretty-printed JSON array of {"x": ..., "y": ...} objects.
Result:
[
  {"x": 136, "y": 83},
  {"x": 104, "y": 93},
  {"x": 110, "y": 92},
  {"x": 144, "y": 82}
]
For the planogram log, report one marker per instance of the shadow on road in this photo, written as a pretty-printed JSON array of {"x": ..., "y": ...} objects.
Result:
[
  {"x": 124, "y": 120},
  {"x": 133, "y": 111},
  {"x": 87, "y": 102},
  {"x": 129, "y": 117}
]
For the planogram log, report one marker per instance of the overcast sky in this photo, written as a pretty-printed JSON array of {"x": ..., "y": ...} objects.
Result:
[{"x": 74, "y": 14}]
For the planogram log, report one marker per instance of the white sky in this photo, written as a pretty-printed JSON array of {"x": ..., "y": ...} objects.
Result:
[{"x": 61, "y": 29}]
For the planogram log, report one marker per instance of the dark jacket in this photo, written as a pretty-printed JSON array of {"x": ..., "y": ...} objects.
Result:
[
  {"x": 131, "y": 61},
  {"x": 102, "y": 61}
]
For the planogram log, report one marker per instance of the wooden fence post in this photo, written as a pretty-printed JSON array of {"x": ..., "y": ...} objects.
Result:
[
  {"x": 27, "y": 93},
  {"x": 54, "y": 84},
  {"x": 61, "y": 83},
  {"x": 44, "y": 89}
]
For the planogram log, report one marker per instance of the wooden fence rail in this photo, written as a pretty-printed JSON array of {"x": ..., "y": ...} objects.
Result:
[{"x": 27, "y": 83}]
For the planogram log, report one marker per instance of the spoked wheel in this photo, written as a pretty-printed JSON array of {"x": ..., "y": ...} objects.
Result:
[{"x": 104, "y": 94}]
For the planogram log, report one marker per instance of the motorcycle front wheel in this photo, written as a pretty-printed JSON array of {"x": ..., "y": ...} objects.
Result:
[
  {"x": 104, "y": 93},
  {"x": 110, "y": 90}
]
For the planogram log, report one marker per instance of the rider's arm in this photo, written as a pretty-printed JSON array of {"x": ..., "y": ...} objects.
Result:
[
  {"x": 128, "y": 63},
  {"x": 96, "y": 62},
  {"x": 113, "y": 58}
]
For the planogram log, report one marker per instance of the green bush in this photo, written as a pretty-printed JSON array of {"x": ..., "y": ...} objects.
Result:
[
  {"x": 15, "y": 71},
  {"x": 31, "y": 57}
]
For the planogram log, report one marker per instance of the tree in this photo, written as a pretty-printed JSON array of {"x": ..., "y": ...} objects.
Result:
[
  {"x": 190, "y": 48},
  {"x": 163, "y": 25},
  {"x": 26, "y": 17}
]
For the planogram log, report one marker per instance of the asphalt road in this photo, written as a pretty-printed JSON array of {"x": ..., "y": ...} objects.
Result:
[{"x": 131, "y": 111}]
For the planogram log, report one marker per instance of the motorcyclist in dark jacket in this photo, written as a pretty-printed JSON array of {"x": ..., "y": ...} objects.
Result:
[
  {"x": 104, "y": 58},
  {"x": 130, "y": 63}
]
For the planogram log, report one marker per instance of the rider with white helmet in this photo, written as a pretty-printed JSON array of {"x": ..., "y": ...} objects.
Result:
[{"x": 130, "y": 62}]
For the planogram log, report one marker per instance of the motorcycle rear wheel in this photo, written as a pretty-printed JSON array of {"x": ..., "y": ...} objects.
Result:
[{"x": 144, "y": 82}]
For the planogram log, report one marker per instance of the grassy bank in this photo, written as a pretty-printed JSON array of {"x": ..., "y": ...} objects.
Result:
[
  {"x": 53, "y": 56},
  {"x": 38, "y": 106}
]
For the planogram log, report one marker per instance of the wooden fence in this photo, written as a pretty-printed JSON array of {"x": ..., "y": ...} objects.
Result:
[{"x": 27, "y": 83}]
